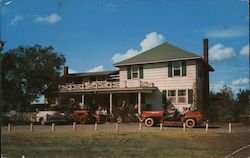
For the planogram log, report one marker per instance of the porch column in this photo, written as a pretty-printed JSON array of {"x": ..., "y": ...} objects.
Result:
[
  {"x": 110, "y": 103},
  {"x": 139, "y": 102},
  {"x": 83, "y": 101}
]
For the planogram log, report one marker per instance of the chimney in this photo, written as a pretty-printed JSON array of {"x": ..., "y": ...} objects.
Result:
[
  {"x": 65, "y": 70},
  {"x": 205, "y": 45}
]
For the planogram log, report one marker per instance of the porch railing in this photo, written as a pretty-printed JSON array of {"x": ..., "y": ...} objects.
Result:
[{"x": 101, "y": 85}]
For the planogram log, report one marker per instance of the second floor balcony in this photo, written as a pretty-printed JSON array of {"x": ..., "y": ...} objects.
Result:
[{"x": 103, "y": 85}]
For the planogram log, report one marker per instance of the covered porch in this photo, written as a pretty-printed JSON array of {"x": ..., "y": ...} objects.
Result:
[{"x": 109, "y": 98}]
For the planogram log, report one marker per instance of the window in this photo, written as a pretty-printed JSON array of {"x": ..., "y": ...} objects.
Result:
[
  {"x": 135, "y": 71},
  {"x": 181, "y": 96},
  {"x": 172, "y": 96},
  {"x": 177, "y": 69}
]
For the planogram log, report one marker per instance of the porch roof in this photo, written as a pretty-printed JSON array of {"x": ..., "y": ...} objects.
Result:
[
  {"x": 108, "y": 91},
  {"x": 85, "y": 74}
]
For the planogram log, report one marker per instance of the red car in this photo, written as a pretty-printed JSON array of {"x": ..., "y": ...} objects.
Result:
[
  {"x": 84, "y": 116},
  {"x": 191, "y": 118}
]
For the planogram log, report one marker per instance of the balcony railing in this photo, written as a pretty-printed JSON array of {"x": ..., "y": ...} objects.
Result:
[{"x": 102, "y": 85}]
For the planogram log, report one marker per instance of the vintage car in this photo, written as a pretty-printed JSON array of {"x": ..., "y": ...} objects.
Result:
[{"x": 46, "y": 117}]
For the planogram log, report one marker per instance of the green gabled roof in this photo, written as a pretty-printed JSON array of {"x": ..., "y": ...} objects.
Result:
[{"x": 161, "y": 53}]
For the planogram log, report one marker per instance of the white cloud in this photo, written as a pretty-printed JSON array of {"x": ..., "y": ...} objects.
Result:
[
  {"x": 97, "y": 69},
  {"x": 120, "y": 57},
  {"x": 216, "y": 87},
  {"x": 151, "y": 40},
  {"x": 227, "y": 32},
  {"x": 245, "y": 51},
  {"x": 50, "y": 19},
  {"x": 240, "y": 82},
  {"x": 72, "y": 71},
  {"x": 7, "y": 3},
  {"x": 219, "y": 52},
  {"x": 17, "y": 19},
  {"x": 236, "y": 85}
]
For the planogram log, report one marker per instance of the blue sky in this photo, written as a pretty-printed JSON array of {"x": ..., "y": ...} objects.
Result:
[{"x": 94, "y": 33}]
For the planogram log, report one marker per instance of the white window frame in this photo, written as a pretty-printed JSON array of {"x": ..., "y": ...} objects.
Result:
[
  {"x": 170, "y": 97},
  {"x": 183, "y": 96},
  {"x": 180, "y": 67},
  {"x": 177, "y": 96},
  {"x": 134, "y": 70}
]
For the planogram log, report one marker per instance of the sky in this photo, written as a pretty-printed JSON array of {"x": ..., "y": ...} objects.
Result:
[{"x": 94, "y": 34}]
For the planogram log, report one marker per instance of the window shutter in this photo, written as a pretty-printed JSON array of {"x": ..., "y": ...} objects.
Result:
[
  {"x": 184, "y": 69},
  {"x": 170, "y": 70},
  {"x": 140, "y": 71},
  {"x": 164, "y": 96},
  {"x": 190, "y": 96},
  {"x": 129, "y": 72}
]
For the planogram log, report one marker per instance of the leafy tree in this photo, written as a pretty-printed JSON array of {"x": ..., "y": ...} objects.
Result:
[
  {"x": 28, "y": 71},
  {"x": 221, "y": 105},
  {"x": 213, "y": 107},
  {"x": 242, "y": 103}
]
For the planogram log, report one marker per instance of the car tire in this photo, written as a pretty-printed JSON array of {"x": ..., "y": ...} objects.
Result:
[
  {"x": 149, "y": 122},
  {"x": 190, "y": 123}
]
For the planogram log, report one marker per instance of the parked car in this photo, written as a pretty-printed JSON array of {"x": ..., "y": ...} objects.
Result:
[
  {"x": 41, "y": 116},
  {"x": 190, "y": 118},
  {"x": 56, "y": 118}
]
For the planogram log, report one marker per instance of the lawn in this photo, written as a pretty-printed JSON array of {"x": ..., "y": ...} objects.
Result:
[{"x": 73, "y": 144}]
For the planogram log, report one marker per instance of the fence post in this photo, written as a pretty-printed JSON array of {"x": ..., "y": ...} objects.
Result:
[
  {"x": 161, "y": 127},
  {"x": 31, "y": 127},
  {"x": 229, "y": 128},
  {"x": 74, "y": 126},
  {"x": 9, "y": 127},
  {"x": 96, "y": 127},
  {"x": 140, "y": 127},
  {"x": 53, "y": 127},
  {"x": 184, "y": 127},
  {"x": 23, "y": 156},
  {"x": 117, "y": 126},
  {"x": 206, "y": 126}
]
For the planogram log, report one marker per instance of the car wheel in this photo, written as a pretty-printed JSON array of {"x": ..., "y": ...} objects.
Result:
[
  {"x": 149, "y": 122},
  {"x": 190, "y": 123}
]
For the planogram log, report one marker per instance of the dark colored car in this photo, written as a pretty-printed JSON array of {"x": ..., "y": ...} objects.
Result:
[{"x": 57, "y": 119}]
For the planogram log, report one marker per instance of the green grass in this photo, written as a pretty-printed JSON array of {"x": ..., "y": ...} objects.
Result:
[{"x": 122, "y": 144}]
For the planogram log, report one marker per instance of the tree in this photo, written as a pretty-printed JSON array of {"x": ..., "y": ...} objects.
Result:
[
  {"x": 241, "y": 106},
  {"x": 221, "y": 106},
  {"x": 28, "y": 71}
]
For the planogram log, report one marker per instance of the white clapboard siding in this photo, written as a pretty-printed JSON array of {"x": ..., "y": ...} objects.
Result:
[{"x": 158, "y": 74}]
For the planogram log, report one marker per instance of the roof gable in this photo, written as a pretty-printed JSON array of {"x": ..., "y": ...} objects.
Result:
[{"x": 160, "y": 53}]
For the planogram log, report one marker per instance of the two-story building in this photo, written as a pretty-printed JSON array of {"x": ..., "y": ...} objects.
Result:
[{"x": 150, "y": 78}]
